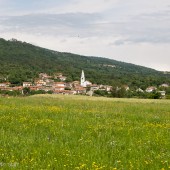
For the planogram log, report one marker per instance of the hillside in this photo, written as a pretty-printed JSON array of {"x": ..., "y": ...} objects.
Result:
[{"x": 20, "y": 61}]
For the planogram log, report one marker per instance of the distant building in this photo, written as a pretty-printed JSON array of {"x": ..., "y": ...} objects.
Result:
[
  {"x": 60, "y": 77},
  {"x": 108, "y": 88},
  {"x": 83, "y": 81},
  {"x": 59, "y": 86},
  {"x": 80, "y": 90},
  {"x": 139, "y": 90},
  {"x": 105, "y": 87},
  {"x": 75, "y": 83},
  {"x": 94, "y": 87},
  {"x": 163, "y": 93},
  {"x": 150, "y": 89},
  {"x": 44, "y": 76},
  {"x": 27, "y": 84},
  {"x": 40, "y": 82},
  {"x": 5, "y": 84},
  {"x": 164, "y": 85},
  {"x": 126, "y": 87}
]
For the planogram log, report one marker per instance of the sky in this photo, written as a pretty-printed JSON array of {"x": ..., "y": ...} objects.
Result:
[{"x": 133, "y": 31}]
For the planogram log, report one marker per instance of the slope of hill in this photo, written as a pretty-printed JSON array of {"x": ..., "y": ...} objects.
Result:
[{"x": 20, "y": 61}]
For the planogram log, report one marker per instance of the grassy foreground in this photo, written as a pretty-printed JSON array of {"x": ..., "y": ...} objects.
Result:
[{"x": 76, "y": 132}]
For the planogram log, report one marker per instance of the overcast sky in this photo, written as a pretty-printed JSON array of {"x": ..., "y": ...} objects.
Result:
[{"x": 134, "y": 31}]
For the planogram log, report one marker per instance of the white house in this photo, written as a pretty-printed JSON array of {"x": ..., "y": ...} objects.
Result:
[
  {"x": 5, "y": 84},
  {"x": 62, "y": 78},
  {"x": 150, "y": 89},
  {"x": 139, "y": 90},
  {"x": 163, "y": 93},
  {"x": 164, "y": 85},
  {"x": 27, "y": 84}
]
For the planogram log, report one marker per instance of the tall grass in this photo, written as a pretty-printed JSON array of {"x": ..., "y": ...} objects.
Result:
[{"x": 66, "y": 132}]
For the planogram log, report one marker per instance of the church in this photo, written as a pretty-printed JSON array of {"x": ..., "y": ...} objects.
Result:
[{"x": 83, "y": 81}]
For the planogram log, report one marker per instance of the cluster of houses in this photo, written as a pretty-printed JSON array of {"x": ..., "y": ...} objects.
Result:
[
  {"x": 153, "y": 88},
  {"x": 47, "y": 83}
]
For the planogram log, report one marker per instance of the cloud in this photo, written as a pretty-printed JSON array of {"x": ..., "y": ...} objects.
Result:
[
  {"x": 17, "y": 7},
  {"x": 72, "y": 24},
  {"x": 150, "y": 28},
  {"x": 131, "y": 31}
]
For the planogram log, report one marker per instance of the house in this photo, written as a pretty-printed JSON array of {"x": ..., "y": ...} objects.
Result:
[
  {"x": 27, "y": 84},
  {"x": 164, "y": 85},
  {"x": 58, "y": 88},
  {"x": 49, "y": 82},
  {"x": 5, "y": 84},
  {"x": 108, "y": 88},
  {"x": 163, "y": 93},
  {"x": 34, "y": 88},
  {"x": 75, "y": 83},
  {"x": 126, "y": 87},
  {"x": 150, "y": 89},
  {"x": 57, "y": 75},
  {"x": 80, "y": 90},
  {"x": 59, "y": 84},
  {"x": 94, "y": 87},
  {"x": 47, "y": 88},
  {"x": 40, "y": 82},
  {"x": 139, "y": 90},
  {"x": 44, "y": 76},
  {"x": 87, "y": 83},
  {"x": 19, "y": 88},
  {"x": 16, "y": 88},
  {"x": 69, "y": 85},
  {"x": 62, "y": 78},
  {"x": 65, "y": 92},
  {"x": 6, "y": 88},
  {"x": 105, "y": 87}
]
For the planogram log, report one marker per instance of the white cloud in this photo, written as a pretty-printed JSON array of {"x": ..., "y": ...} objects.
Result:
[{"x": 131, "y": 31}]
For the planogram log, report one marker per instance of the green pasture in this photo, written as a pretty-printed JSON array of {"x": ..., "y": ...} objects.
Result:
[{"x": 78, "y": 132}]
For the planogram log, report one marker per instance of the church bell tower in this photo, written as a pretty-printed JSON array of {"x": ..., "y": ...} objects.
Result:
[{"x": 82, "y": 82}]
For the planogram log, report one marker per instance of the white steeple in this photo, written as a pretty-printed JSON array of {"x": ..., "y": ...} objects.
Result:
[{"x": 82, "y": 82}]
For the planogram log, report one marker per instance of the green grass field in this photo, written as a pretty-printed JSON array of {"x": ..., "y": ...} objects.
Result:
[{"x": 78, "y": 132}]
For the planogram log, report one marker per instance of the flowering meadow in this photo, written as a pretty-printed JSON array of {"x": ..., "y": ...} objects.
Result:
[{"x": 84, "y": 133}]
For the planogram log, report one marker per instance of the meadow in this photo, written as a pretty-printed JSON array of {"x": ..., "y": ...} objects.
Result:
[{"x": 84, "y": 133}]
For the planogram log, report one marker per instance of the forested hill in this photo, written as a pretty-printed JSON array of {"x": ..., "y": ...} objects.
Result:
[{"x": 20, "y": 61}]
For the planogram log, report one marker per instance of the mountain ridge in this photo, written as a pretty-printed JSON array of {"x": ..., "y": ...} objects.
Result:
[{"x": 21, "y": 61}]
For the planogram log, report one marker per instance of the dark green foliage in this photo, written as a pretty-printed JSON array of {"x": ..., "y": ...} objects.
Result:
[
  {"x": 100, "y": 93},
  {"x": 154, "y": 95},
  {"x": 118, "y": 92},
  {"x": 10, "y": 93},
  {"x": 20, "y": 61},
  {"x": 26, "y": 90},
  {"x": 37, "y": 92},
  {"x": 167, "y": 90}
]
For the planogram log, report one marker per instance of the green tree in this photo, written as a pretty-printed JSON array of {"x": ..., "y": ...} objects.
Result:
[{"x": 26, "y": 90}]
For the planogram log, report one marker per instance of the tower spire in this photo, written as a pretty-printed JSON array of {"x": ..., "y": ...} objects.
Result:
[{"x": 82, "y": 81}]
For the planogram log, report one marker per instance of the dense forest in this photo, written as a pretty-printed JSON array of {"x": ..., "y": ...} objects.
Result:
[{"x": 20, "y": 61}]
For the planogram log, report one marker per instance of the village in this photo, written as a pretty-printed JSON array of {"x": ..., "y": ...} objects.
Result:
[{"x": 47, "y": 84}]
